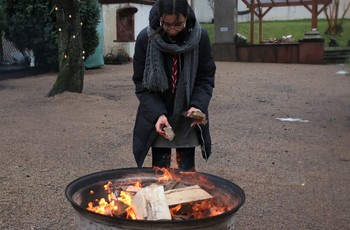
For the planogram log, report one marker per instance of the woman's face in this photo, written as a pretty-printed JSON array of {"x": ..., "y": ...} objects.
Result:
[{"x": 172, "y": 24}]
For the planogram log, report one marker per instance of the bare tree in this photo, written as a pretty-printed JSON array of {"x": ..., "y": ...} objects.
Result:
[{"x": 335, "y": 23}]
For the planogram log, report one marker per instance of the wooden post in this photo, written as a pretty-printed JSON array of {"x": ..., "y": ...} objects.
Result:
[
  {"x": 314, "y": 15},
  {"x": 260, "y": 26},
  {"x": 252, "y": 22}
]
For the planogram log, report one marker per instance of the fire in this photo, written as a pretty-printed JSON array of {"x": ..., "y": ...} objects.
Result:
[
  {"x": 103, "y": 207},
  {"x": 164, "y": 175},
  {"x": 106, "y": 186},
  {"x": 197, "y": 210},
  {"x": 175, "y": 209},
  {"x": 207, "y": 209},
  {"x": 138, "y": 184},
  {"x": 114, "y": 205},
  {"x": 119, "y": 203},
  {"x": 126, "y": 198}
]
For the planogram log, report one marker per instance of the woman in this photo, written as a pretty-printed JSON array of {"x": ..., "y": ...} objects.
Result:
[{"x": 174, "y": 76}]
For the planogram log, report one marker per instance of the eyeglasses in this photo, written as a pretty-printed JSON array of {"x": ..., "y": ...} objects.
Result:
[{"x": 177, "y": 26}]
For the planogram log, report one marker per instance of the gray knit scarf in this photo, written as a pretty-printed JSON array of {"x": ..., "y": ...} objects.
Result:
[{"x": 154, "y": 77}]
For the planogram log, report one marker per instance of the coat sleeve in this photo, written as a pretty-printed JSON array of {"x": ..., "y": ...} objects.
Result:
[
  {"x": 205, "y": 79},
  {"x": 151, "y": 104}
]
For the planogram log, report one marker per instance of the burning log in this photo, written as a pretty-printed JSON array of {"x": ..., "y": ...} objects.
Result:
[
  {"x": 149, "y": 203},
  {"x": 152, "y": 203},
  {"x": 185, "y": 195},
  {"x": 133, "y": 189},
  {"x": 172, "y": 183}
]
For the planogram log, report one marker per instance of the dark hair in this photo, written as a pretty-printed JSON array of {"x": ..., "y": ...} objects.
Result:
[
  {"x": 173, "y": 7},
  {"x": 168, "y": 7}
]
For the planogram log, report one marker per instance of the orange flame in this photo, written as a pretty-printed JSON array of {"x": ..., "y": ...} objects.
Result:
[
  {"x": 163, "y": 174},
  {"x": 106, "y": 186},
  {"x": 138, "y": 184},
  {"x": 111, "y": 207},
  {"x": 125, "y": 198},
  {"x": 175, "y": 209},
  {"x": 103, "y": 207}
]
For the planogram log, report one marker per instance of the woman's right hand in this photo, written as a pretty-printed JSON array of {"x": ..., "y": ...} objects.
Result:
[{"x": 161, "y": 123}]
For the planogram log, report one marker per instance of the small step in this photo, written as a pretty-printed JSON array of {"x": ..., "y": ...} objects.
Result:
[{"x": 336, "y": 55}]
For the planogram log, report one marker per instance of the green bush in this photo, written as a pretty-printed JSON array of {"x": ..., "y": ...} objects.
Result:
[
  {"x": 2, "y": 27},
  {"x": 31, "y": 25},
  {"x": 90, "y": 16},
  {"x": 2, "y": 17}
]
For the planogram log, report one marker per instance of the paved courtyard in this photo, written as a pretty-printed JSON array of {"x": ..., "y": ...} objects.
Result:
[{"x": 295, "y": 173}]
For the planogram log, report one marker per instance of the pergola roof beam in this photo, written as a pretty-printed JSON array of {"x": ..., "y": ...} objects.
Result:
[{"x": 269, "y": 4}]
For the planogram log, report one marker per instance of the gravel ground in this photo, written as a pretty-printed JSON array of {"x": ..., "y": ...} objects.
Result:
[{"x": 296, "y": 175}]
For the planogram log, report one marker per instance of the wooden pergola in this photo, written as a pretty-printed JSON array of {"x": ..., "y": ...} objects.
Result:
[{"x": 264, "y": 6}]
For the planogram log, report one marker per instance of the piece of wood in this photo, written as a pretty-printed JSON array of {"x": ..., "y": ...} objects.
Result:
[
  {"x": 121, "y": 210},
  {"x": 133, "y": 189},
  {"x": 187, "y": 194},
  {"x": 149, "y": 203},
  {"x": 169, "y": 132},
  {"x": 198, "y": 115},
  {"x": 171, "y": 184}
]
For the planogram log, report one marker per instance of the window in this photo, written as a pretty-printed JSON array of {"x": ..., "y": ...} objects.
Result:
[{"x": 125, "y": 24}]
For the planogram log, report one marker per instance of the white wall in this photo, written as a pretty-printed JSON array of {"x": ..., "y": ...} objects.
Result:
[
  {"x": 110, "y": 26},
  {"x": 203, "y": 11}
]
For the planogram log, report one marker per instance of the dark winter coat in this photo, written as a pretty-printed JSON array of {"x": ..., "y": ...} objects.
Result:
[{"x": 154, "y": 104}]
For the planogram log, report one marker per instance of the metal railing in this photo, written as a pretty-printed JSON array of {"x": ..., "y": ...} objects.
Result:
[{"x": 9, "y": 53}]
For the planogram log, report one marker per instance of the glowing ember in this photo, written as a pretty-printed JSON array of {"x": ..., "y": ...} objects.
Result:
[{"x": 119, "y": 199}]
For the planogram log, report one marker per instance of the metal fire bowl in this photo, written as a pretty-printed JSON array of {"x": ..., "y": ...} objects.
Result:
[{"x": 78, "y": 193}]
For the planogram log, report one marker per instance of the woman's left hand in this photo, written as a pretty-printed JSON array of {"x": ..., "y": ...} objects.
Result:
[{"x": 197, "y": 121}]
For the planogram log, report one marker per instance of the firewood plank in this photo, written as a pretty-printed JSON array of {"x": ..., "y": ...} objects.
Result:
[
  {"x": 149, "y": 203},
  {"x": 132, "y": 188},
  {"x": 187, "y": 194}
]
